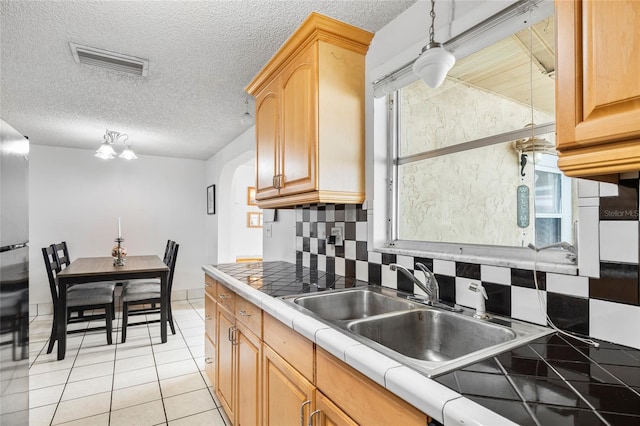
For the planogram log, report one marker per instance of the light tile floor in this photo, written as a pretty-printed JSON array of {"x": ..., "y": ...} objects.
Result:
[{"x": 141, "y": 382}]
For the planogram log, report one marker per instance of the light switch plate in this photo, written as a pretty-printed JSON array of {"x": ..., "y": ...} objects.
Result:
[
  {"x": 268, "y": 230},
  {"x": 337, "y": 232}
]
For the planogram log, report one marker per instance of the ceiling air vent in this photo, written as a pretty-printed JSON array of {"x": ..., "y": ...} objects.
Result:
[{"x": 110, "y": 60}]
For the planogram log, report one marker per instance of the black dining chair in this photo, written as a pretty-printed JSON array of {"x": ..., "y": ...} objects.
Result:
[
  {"x": 64, "y": 260},
  {"x": 78, "y": 300},
  {"x": 148, "y": 294}
]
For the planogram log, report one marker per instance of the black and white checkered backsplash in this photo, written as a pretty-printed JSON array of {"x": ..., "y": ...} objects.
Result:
[{"x": 511, "y": 291}]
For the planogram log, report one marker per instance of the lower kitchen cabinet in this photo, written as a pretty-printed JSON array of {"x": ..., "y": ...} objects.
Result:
[
  {"x": 238, "y": 359},
  {"x": 288, "y": 397},
  {"x": 362, "y": 399},
  {"x": 210, "y": 359},
  {"x": 248, "y": 361},
  {"x": 225, "y": 363},
  {"x": 329, "y": 414},
  {"x": 265, "y": 373}
]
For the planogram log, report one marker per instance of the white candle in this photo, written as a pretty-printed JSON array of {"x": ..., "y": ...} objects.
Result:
[{"x": 119, "y": 229}]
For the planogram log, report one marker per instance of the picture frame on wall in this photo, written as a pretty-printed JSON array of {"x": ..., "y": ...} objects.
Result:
[
  {"x": 254, "y": 220},
  {"x": 251, "y": 196},
  {"x": 211, "y": 199}
]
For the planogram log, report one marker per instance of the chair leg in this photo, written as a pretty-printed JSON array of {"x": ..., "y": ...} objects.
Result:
[
  {"x": 173, "y": 327},
  {"x": 54, "y": 334},
  {"x": 125, "y": 318},
  {"x": 108, "y": 314}
]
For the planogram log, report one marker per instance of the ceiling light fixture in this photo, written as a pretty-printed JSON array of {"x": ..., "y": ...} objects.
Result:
[
  {"x": 106, "y": 151},
  {"x": 247, "y": 119},
  {"x": 434, "y": 61}
]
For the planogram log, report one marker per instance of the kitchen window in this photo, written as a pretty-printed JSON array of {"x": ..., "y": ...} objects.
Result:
[{"x": 458, "y": 159}]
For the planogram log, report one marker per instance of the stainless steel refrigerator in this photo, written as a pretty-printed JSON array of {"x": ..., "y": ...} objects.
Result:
[{"x": 14, "y": 276}]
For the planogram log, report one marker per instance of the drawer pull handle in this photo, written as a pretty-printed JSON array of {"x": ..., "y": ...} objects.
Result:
[
  {"x": 208, "y": 361},
  {"x": 208, "y": 318},
  {"x": 224, "y": 296},
  {"x": 244, "y": 313},
  {"x": 302, "y": 412},
  {"x": 311, "y": 416},
  {"x": 208, "y": 285}
]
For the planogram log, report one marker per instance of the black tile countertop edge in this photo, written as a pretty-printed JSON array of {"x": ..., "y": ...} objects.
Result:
[{"x": 554, "y": 380}]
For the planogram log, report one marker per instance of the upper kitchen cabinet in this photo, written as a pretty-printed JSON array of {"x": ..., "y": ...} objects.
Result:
[
  {"x": 598, "y": 87},
  {"x": 310, "y": 117}
]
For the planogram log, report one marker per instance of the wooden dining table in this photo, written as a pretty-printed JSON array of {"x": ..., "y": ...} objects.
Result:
[{"x": 94, "y": 269}]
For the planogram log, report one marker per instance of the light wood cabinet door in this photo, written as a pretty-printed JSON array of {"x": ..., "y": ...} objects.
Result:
[
  {"x": 210, "y": 359},
  {"x": 210, "y": 312},
  {"x": 225, "y": 362},
  {"x": 598, "y": 86},
  {"x": 288, "y": 398},
  {"x": 299, "y": 134},
  {"x": 267, "y": 141},
  {"x": 329, "y": 414},
  {"x": 249, "y": 356}
]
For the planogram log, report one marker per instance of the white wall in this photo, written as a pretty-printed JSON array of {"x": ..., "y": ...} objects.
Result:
[
  {"x": 77, "y": 197},
  {"x": 281, "y": 244},
  {"x": 245, "y": 241},
  {"x": 220, "y": 170}
]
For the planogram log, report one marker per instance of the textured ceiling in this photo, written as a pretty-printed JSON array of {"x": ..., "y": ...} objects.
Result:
[{"x": 201, "y": 54}]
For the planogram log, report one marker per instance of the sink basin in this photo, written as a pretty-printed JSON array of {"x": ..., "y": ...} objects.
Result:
[
  {"x": 428, "y": 339},
  {"x": 431, "y": 335},
  {"x": 352, "y": 304}
]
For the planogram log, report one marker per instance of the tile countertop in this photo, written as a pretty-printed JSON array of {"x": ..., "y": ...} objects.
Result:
[{"x": 554, "y": 380}]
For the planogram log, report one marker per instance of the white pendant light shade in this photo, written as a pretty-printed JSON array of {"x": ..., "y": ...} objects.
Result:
[
  {"x": 433, "y": 64},
  {"x": 247, "y": 119},
  {"x": 128, "y": 154},
  {"x": 106, "y": 151}
]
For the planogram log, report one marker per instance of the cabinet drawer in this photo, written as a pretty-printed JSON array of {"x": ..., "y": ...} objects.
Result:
[
  {"x": 226, "y": 298},
  {"x": 362, "y": 399},
  {"x": 210, "y": 309},
  {"x": 249, "y": 315},
  {"x": 210, "y": 285},
  {"x": 296, "y": 349}
]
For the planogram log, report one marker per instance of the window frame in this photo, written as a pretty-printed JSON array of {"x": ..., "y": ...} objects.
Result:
[{"x": 549, "y": 260}]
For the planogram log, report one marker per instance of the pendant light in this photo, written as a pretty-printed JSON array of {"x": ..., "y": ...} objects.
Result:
[
  {"x": 247, "y": 119},
  {"x": 111, "y": 137},
  {"x": 434, "y": 62}
]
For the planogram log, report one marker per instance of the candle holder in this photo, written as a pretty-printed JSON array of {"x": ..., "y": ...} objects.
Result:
[{"x": 119, "y": 252}]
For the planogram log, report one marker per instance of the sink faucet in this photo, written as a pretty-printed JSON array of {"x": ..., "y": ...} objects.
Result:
[{"x": 430, "y": 286}]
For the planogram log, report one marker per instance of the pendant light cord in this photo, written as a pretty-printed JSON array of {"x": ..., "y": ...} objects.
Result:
[
  {"x": 541, "y": 301},
  {"x": 433, "y": 20}
]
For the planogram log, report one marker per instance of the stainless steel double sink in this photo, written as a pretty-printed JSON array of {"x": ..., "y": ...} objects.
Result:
[{"x": 431, "y": 340}]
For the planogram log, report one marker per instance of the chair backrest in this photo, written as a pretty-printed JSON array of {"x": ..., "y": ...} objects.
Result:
[
  {"x": 53, "y": 267},
  {"x": 173, "y": 257},
  {"x": 62, "y": 254},
  {"x": 167, "y": 251}
]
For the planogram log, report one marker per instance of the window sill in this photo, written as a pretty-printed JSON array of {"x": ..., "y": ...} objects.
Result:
[{"x": 509, "y": 257}]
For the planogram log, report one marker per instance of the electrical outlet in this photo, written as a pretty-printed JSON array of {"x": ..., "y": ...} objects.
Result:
[{"x": 337, "y": 233}]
